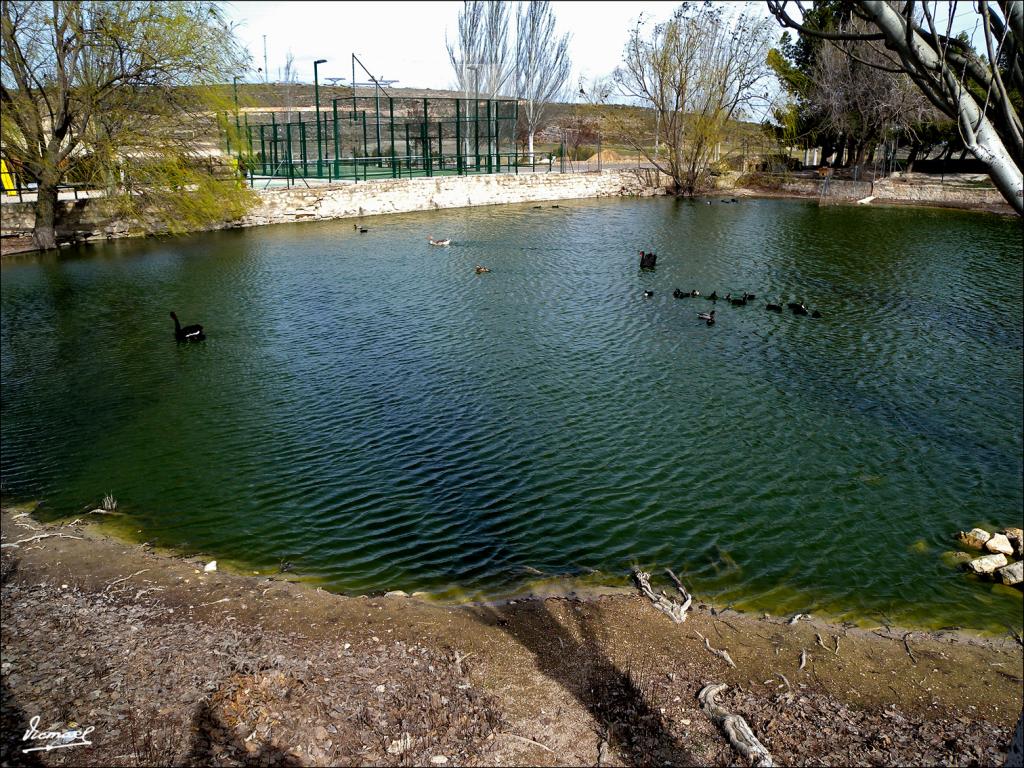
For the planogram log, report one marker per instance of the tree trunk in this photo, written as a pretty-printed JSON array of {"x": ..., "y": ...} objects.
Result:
[
  {"x": 840, "y": 153},
  {"x": 529, "y": 143},
  {"x": 858, "y": 155},
  {"x": 44, "y": 232},
  {"x": 980, "y": 135},
  {"x": 913, "y": 156}
]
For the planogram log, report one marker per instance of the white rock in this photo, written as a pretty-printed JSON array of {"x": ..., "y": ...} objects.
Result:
[
  {"x": 1016, "y": 537},
  {"x": 438, "y": 760},
  {"x": 400, "y": 593},
  {"x": 988, "y": 564},
  {"x": 999, "y": 544},
  {"x": 974, "y": 538},
  {"x": 210, "y": 566},
  {"x": 1012, "y": 574}
]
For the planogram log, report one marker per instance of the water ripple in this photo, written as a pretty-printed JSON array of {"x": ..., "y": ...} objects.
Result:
[{"x": 376, "y": 412}]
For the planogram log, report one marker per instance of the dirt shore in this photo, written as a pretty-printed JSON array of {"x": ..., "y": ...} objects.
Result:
[{"x": 174, "y": 665}]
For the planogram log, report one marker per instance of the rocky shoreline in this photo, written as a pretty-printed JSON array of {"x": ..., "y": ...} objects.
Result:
[
  {"x": 287, "y": 206},
  {"x": 171, "y": 664}
]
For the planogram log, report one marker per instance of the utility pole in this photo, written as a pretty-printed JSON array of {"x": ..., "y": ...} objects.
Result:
[{"x": 266, "y": 68}]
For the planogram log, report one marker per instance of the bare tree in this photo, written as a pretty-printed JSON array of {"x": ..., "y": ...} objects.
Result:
[
  {"x": 859, "y": 97},
  {"x": 290, "y": 78},
  {"x": 697, "y": 71},
  {"x": 480, "y": 56},
  {"x": 542, "y": 63},
  {"x": 976, "y": 92}
]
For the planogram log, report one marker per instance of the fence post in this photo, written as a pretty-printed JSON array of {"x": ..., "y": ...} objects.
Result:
[
  {"x": 302, "y": 146},
  {"x": 458, "y": 137},
  {"x": 337, "y": 154},
  {"x": 391, "y": 122}
]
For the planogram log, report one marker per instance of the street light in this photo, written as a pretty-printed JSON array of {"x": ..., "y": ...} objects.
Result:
[
  {"x": 476, "y": 111},
  {"x": 316, "y": 96}
]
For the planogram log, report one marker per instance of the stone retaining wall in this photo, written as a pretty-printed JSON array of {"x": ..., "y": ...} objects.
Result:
[
  {"x": 84, "y": 219},
  {"x": 898, "y": 190}
]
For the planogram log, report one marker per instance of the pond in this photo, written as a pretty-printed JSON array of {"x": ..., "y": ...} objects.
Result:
[{"x": 370, "y": 410}]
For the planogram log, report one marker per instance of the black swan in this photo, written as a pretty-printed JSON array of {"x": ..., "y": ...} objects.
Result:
[
  {"x": 713, "y": 296},
  {"x": 189, "y": 332},
  {"x": 773, "y": 307}
]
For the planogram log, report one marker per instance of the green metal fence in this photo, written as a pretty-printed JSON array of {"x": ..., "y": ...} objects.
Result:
[{"x": 372, "y": 137}]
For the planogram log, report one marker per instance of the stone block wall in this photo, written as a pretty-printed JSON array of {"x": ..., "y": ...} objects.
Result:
[
  {"x": 424, "y": 194},
  {"x": 85, "y": 220}
]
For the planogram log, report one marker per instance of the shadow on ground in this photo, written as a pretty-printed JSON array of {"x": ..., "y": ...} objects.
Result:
[{"x": 569, "y": 652}]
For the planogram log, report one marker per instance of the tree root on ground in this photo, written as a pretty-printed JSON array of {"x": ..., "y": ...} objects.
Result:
[
  {"x": 722, "y": 654},
  {"x": 665, "y": 604},
  {"x": 735, "y": 728}
]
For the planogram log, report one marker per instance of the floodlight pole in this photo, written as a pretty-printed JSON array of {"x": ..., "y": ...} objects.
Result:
[
  {"x": 476, "y": 112},
  {"x": 319, "y": 140}
]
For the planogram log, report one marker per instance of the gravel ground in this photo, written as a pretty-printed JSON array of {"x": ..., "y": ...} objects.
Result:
[{"x": 173, "y": 666}]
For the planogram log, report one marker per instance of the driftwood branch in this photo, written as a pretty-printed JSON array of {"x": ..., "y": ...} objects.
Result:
[
  {"x": 722, "y": 654},
  {"x": 735, "y": 728},
  {"x": 118, "y": 581},
  {"x": 906, "y": 644},
  {"x": 41, "y": 536},
  {"x": 668, "y": 606}
]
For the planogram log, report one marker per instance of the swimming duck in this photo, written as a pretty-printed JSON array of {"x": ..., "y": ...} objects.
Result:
[
  {"x": 481, "y": 270},
  {"x": 738, "y": 302},
  {"x": 446, "y": 241},
  {"x": 798, "y": 308},
  {"x": 677, "y": 294},
  {"x": 695, "y": 293},
  {"x": 713, "y": 296},
  {"x": 748, "y": 296},
  {"x": 189, "y": 332},
  {"x": 773, "y": 307},
  {"x": 709, "y": 316},
  {"x": 359, "y": 228},
  {"x": 648, "y": 294}
]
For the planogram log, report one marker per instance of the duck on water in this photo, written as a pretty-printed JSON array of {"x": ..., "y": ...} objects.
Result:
[{"x": 189, "y": 332}]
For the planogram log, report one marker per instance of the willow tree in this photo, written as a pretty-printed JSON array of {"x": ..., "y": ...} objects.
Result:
[
  {"x": 120, "y": 95},
  {"x": 981, "y": 91},
  {"x": 698, "y": 72}
]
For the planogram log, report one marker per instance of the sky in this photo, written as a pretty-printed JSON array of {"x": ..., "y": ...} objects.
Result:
[{"x": 405, "y": 41}]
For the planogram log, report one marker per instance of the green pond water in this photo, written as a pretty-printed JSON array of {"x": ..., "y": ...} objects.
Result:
[{"x": 370, "y": 410}]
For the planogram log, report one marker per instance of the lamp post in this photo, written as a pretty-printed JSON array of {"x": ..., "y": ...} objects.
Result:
[
  {"x": 316, "y": 97},
  {"x": 476, "y": 111}
]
